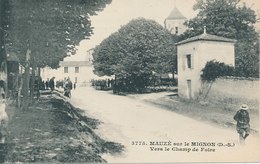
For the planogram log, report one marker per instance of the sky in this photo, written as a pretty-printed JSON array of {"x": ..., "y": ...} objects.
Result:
[{"x": 120, "y": 12}]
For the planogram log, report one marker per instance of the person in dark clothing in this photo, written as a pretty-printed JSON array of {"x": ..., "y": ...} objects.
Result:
[
  {"x": 67, "y": 88},
  {"x": 51, "y": 83},
  {"x": 75, "y": 85},
  {"x": 243, "y": 119},
  {"x": 47, "y": 84},
  {"x": 42, "y": 85}
]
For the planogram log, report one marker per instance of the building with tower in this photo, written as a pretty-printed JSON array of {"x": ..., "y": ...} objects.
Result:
[
  {"x": 175, "y": 22},
  {"x": 193, "y": 54}
]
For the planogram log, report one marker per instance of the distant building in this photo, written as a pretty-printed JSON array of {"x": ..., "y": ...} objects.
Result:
[
  {"x": 77, "y": 67},
  {"x": 175, "y": 22},
  {"x": 193, "y": 54},
  {"x": 89, "y": 55},
  {"x": 77, "y": 71}
]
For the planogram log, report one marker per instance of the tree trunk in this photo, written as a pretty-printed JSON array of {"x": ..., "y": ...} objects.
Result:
[
  {"x": 32, "y": 80},
  {"x": 38, "y": 82},
  {"x": 19, "y": 92},
  {"x": 173, "y": 80},
  {"x": 26, "y": 80},
  {"x": 19, "y": 86},
  {"x": 6, "y": 82}
]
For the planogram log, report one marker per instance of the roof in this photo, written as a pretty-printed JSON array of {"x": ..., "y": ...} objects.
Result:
[
  {"x": 175, "y": 14},
  {"x": 75, "y": 63},
  {"x": 206, "y": 37}
]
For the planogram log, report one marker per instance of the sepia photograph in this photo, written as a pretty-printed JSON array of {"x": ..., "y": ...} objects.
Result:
[{"x": 129, "y": 81}]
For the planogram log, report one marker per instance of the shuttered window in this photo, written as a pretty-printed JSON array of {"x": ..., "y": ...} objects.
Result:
[
  {"x": 188, "y": 59},
  {"x": 176, "y": 30},
  {"x": 76, "y": 69},
  {"x": 66, "y": 69}
]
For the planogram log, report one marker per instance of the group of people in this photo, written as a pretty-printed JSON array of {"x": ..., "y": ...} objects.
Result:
[
  {"x": 104, "y": 83},
  {"x": 48, "y": 84},
  {"x": 66, "y": 84}
]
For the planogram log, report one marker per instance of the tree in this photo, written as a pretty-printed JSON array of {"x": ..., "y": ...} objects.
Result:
[
  {"x": 51, "y": 28},
  {"x": 43, "y": 32},
  {"x": 134, "y": 52},
  {"x": 231, "y": 19},
  {"x": 3, "y": 33}
]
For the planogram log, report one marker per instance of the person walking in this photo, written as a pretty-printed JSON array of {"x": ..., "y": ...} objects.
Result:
[
  {"x": 47, "y": 84},
  {"x": 67, "y": 88},
  {"x": 243, "y": 127},
  {"x": 75, "y": 85},
  {"x": 51, "y": 83}
]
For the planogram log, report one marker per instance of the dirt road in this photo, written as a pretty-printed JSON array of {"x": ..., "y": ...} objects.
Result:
[{"x": 164, "y": 135}]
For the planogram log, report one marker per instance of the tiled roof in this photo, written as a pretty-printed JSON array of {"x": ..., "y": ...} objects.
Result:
[
  {"x": 206, "y": 37},
  {"x": 175, "y": 14},
  {"x": 74, "y": 63}
]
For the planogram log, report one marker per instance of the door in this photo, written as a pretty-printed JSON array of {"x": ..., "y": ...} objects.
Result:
[{"x": 189, "y": 89}]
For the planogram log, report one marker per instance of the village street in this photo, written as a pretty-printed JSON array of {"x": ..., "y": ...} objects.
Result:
[{"x": 126, "y": 120}]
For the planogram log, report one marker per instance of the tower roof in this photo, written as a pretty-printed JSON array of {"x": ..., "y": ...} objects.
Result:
[
  {"x": 206, "y": 37},
  {"x": 175, "y": 14}
]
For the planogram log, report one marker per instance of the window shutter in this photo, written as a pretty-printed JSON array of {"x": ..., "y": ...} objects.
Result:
[{"x": 192, "y": 61}]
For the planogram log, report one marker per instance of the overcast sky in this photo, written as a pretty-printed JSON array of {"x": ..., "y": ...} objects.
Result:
[{"x": 120, "y": 12}]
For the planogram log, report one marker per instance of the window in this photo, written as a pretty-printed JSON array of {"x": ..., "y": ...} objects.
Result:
[
  {"x": 76, "y": 69},
  {"x": 66, "y": 70},
  {"x": 76, "y": 79},
  {"x": 188, "y": 57},
  {"x": 176, "y": 30}
]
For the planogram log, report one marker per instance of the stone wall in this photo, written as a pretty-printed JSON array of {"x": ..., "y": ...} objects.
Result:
[{"x": 232, "y": 91}]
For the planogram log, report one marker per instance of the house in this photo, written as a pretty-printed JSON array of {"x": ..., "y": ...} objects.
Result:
[
  {"x": 77, "y": 71},
  {"x": 192, "y": 56},
  {"x": 77, "y": 67},
  {"x": 175, "y": 22}
]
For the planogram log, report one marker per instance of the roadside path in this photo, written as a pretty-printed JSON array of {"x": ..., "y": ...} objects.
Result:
[
  {"x": 52, "y": 131},
  {"x": 126, "y": 120}
]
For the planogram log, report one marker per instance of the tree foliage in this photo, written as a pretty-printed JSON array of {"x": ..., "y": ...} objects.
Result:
[
  {"x": 135, "y": 51},
  {"x": 3, "y": 23},
  {"x": 231, "y": 19},
  {"x": 49, "y": 28},
  {"x": 42, "y": 32}
]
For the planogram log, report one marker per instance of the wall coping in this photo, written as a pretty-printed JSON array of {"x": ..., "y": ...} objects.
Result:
[{"x": 239, "y": 78}]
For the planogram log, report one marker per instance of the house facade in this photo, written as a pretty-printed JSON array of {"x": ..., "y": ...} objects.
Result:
[
  {"x": 193, "y": 54},
  {"x": 77, "y": 71},
  {"x": 77, "y": 67}
]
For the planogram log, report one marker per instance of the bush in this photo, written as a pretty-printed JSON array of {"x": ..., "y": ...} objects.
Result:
[{"x": 215, "y": 69}]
